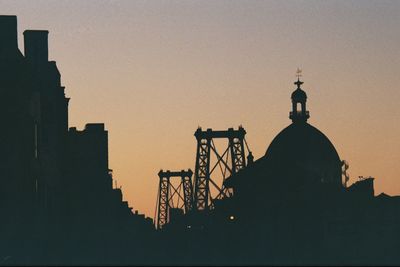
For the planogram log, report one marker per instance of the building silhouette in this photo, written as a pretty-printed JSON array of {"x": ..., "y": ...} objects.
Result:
[
  {"x": 56, "y": 185},
  {"x": 59, "y": 206}
]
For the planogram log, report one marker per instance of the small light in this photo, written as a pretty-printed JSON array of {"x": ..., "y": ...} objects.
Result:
[
  {"x": 189, "y": 226},
  {"x": 231, "y": 217}
]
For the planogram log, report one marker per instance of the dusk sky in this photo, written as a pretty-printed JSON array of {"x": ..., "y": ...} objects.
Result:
[{"x": 153, "y": 71}]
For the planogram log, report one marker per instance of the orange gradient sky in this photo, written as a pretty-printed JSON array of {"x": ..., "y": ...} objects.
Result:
[{"x": 153, "y": 71}]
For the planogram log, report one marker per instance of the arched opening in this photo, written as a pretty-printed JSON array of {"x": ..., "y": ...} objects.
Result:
[{"x": 298, "y": 108}]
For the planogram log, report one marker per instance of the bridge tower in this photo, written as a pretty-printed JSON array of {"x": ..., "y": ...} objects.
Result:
[
  {"x": 229, "y": 162},
  {"x": 172, "y": 196}
]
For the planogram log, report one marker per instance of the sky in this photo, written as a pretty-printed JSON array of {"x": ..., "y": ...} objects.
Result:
[{"x": 153, "y": 71}]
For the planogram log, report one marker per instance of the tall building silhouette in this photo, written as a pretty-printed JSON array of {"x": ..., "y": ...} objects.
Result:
[{"x": 55, "y": 182}]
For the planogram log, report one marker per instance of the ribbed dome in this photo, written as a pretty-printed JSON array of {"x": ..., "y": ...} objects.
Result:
[{"x": 303, "y": 148}]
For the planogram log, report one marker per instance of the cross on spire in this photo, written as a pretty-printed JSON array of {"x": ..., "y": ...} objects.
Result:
[{"x": 298, "y": 75}]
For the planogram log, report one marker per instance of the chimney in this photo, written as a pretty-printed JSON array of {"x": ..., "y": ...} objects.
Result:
[
  {"x": 36, "y": 46},
  {"x": 8, "y": 35}
]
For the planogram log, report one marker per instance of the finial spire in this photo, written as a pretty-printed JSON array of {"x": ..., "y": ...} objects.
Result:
[{"x": 298, "y": 75}]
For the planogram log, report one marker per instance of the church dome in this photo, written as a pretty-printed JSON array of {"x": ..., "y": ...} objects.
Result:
[
  {"x": 304, "y": 149},
  {"x": 299, "y": 157},
  {"x": 301, "y": 151},
  {"x": 299, "y": 95}
]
